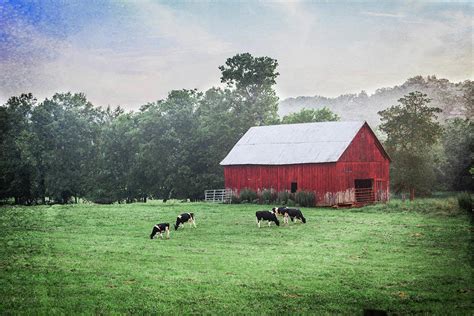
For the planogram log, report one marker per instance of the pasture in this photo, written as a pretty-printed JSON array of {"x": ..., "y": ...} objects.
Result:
[{"x": 85, "y": 258}]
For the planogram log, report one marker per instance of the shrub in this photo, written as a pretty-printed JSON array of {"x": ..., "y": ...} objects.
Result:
[
  {"x": 290, "y": 203},
  {"x": 465, "y": 201},
  {"x": 283, "y": 197},
  {"x": 269, "y": 196},
  {"x": 235, "y": 199},
  {"x": 101, "y": 196},
  {"x": 248, "y": 195},
  {"x": 305, "y": 198}
]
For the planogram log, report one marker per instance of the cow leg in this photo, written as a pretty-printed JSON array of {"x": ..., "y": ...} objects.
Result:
[
  {"x": 161, "y": 235},
  {"x": 258, "y": 223},
  {"x": 194, "y": 223},
  {"x": 167, "y": 233},
  {"x": 269, "y": 222}
]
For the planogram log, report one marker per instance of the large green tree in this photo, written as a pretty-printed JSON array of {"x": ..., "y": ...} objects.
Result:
[
  {"x": 66, "y": 131},
  {"x": 310, "y": 115},
  {"x": 17, "y": 164},
  {"x": 458, "y": 144},
  {"x": 251, "y": 80},
  {"x": 411, "y": 130},
  {"x": 116, "y": 176},
  {"x": 168, "y": 144}
]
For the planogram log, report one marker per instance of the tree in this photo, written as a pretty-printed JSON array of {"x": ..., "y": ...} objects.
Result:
[
  {"x": 218, "y": 131},
  {"x": 310, "y": 115},
  {"x": 468, "y": 99},
  {"x": 17, "y": 164},
  {"x": 169, "y": 143},
  {"x": 66, "y": 130},
  {"x": 251, "y": 79},
  {"x": 116, "y": 176},
  {"x": 411, "y": 130},
  {"x": 458, "y": 144}
]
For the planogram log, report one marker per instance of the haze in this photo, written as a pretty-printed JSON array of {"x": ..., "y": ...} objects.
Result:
[{"x": 131, "y": 53}]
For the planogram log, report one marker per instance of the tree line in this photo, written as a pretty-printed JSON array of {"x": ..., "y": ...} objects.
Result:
[{"x": 65, "y": 148}]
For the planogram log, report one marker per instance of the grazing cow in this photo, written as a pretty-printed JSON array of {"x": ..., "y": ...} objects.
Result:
[
  {"x": 183, "y": 218},
  {"x": 292, "y": 213},
  {"x": 279, "y": 210},
  {"x": 269, "y": 216},
  {"x": 159, "y": 229}
]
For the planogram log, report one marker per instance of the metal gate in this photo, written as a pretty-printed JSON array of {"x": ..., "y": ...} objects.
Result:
[{"x": 218, "y": 196}]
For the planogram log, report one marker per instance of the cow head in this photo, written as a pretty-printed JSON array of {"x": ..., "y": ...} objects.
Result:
[
  {"x": 153, "y": 232},
  {"x": 277, "y": 222}
]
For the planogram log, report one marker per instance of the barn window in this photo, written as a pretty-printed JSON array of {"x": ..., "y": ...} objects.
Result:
[{"x": 294, "y": 187}]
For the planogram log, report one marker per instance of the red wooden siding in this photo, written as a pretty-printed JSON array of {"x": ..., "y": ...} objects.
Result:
[{"x": 332, "y": 182}]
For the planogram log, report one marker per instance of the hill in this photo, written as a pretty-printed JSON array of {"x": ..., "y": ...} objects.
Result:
[{"x": 444, "y": 94}]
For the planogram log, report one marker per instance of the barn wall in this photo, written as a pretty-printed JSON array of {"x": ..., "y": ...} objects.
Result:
[
  {"x": 311, "y": 177},
  {"x": 364, "y": 158},
  {"x": 333, "y": 183}
]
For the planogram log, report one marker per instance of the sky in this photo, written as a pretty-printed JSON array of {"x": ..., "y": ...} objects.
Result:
[{"x": 129, "y": 53}]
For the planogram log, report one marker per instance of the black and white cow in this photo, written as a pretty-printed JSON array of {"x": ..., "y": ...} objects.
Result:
[
  {"x": 279, "y": 210},
  {"x": 160, "y": 229},
  {"x": 292, "y": 213},
  {"x": 183, "y": 218},
  {"x": 266, "y": 216}
]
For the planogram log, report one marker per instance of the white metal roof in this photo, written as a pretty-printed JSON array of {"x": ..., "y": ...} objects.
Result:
[{"x": 293, "y": 143}]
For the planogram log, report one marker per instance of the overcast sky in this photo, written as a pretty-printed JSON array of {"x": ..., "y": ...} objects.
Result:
[{"x": 130, "y": 53}]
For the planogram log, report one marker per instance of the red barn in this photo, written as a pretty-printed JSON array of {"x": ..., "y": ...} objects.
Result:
[{"x": 342, "y": 162}]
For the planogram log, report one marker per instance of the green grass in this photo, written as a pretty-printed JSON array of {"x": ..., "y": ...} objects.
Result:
[{"x": 87, "y": 258}]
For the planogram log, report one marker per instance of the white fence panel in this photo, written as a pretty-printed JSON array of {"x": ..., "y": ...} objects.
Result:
[{"x": 218, "y": 196}]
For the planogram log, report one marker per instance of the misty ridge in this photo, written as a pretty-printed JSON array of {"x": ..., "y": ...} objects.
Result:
[{"x": 444, "y": 94}]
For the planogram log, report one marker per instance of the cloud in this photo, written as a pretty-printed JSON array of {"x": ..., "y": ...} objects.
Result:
[
  {"x": 383, "y": 14},
  {"x": 142, "y": 50},
  {"x": 139, "y": 56}
]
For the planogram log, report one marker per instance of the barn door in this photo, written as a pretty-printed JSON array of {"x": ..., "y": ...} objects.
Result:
[{"x": 364, "y": 191}]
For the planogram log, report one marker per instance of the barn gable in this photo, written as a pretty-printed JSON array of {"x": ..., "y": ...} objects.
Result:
[
  {"x": 364, "y": 147},
  {"x": 293, "y": 144}
]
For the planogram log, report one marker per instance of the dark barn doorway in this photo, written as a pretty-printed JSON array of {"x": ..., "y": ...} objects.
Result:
[
  {"x": 294, "y": 187},
  {"x": 364, "y": 191}
]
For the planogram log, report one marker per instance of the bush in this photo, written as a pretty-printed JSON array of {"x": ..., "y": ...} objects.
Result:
[
  {"x": 101, "y": 196},
  {"x": 305, "y": 198},
  {"x": 290, "y": 203},
  {"x": 248, "y": 195},
  {"x": 235, "y": 199},
  {"x": 269, "y": 196},
  {"x": 465, "y": 201},
  {"x": 283, "y": 197}
]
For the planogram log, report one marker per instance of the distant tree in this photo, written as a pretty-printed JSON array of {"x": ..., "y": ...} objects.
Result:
[
  {"x": 169, "y": 144},
  {"x": 468, "y": 99},
  {"x": 411, "y": 130},
  {"x": 310, "y": 115},
  {"x": 252, "y": 79},
  {"x": 458, "y": 144},
  {"x": 116, "y": 176},
  {"x": 17, "y": 164},
  {"x": 218, "y": 132},
  {"x": 66, "y": 129}
]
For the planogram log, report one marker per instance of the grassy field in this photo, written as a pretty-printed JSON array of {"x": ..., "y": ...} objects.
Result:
[{"x": 400, "y": 257}]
